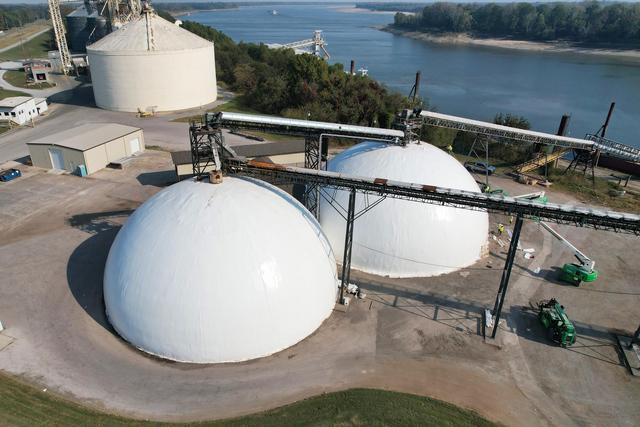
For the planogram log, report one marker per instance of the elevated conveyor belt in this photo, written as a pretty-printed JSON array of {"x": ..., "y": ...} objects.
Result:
[
  {"x": 615, "y": 148},
  {"x": 590, "y": 143},
  {"x": 562, "y": 214},
  {"x": 285, "y": 126},
  {"x": 499, "y": 131}
]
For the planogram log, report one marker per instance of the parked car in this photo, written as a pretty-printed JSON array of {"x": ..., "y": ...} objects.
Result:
[
  {"x": 9, "y": 174},
  {"x": 479, "y": 167}
]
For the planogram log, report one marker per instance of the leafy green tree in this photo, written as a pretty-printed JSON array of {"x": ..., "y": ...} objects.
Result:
[{"x": 590, "y": 21}]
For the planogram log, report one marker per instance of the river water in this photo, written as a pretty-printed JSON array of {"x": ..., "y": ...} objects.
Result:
[{"x": 474, "y": 82}]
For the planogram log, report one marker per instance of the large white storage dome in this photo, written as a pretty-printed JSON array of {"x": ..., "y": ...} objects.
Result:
[
  {"x": 401, "y": 238},
  {"x": 209, "y": 273},
  {"x": 152, "y": 64}
]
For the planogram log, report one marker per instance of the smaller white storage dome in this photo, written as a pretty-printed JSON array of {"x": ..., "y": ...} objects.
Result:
[
  {"x": 228, "y": 272},
  {"x": 151, "y": 64},
  {"x": 401, "y": 238}
]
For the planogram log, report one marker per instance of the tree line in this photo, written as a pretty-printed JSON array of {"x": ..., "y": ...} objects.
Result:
[
  {"x": 17, "y": 15},
  {"x": 591, "y": 21},
  {"x": 277, "y": 81},
  {"x": 180, "y": 7}
]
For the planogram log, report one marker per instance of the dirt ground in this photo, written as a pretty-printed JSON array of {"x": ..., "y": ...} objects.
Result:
[{"x": 415, "y": 335}]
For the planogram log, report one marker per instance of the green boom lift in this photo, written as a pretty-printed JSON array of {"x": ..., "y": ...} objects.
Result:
[
  {"x": 554, "y": 319},
  {"x": 574, "y": 273}
]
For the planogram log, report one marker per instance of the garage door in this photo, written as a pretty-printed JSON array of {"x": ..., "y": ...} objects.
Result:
[
  {"x": 57, "y": 158},
  {"x": 134, "y": 146}
]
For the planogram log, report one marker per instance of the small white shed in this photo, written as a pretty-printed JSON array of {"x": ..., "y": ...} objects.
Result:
[{"x": 21, "y": 109}]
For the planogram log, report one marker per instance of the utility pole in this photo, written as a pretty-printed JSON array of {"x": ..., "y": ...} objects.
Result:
[{"x": 603, "y": 132}]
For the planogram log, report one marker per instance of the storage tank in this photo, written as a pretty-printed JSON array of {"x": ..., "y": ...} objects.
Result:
[
  {"x": 209, "y": 273},
  {"x": 401, "y": 238},
  {"x": 84, "y": 26},
  {"x": 149, "y": 64}
]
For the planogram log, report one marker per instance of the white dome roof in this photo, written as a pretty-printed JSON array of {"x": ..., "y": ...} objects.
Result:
[
  {"x": 149, "y": 32},
  {"x": 228, "y": 272},
  {"x": 400, "y": 238}
]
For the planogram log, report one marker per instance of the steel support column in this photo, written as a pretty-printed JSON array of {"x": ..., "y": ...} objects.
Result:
[
  {"x": 348, "y": 244},
  {"x": 635, "y": 339},
  {"x": 483, "y": 145},
  {"x": 312, "y": 161},
  {"x": 506, "y": 274},
  {"x": 204, "y": 149}
]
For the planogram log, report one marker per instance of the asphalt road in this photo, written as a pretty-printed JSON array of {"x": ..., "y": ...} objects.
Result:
[{"x": 75, "y": 106}]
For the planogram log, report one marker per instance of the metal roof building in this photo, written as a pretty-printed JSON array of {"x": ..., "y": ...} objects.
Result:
[
  {"x": 151, "y": 64},
  {"x": 284, "y": 153},
  {"x": 195, "y": 275},
  {"x": 21, "y": 109},
  {"x": 91, "y": 147}
]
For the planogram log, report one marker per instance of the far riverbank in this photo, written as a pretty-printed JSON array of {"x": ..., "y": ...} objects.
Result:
[{"x": 554, "y": 47}]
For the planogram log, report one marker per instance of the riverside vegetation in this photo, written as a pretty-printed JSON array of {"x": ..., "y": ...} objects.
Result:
[{"x": 588, "y": 22}]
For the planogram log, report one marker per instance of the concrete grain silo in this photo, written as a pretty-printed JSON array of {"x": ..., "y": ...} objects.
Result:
[
  {"x": 85, "y": 25},
  {"x": 150, "y": 64}
]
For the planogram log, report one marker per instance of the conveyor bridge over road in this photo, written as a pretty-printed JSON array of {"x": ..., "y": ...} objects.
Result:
[{"x": 207, "y": 142}]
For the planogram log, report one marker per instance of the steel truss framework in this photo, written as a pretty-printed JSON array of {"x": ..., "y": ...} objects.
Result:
[
  {"x": 205, "y": 137},
  {"x": 504, "y": 132},
  {"x": 612, "y": 147},
  {"x": 312, "y": 160},
  {"x": 205, "y": 143},
  {"x": 383, "y": 188},
  {"x": 208, "y": 144},
  {"x": 316, "y": 136},
  {"x": 480, "y": 150},
  {"x": 59, "y": 32},
  {"x": 561, "y": 214}
]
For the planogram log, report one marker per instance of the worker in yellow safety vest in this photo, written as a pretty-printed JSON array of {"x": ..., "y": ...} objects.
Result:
[{"x": 500, "y": 228}]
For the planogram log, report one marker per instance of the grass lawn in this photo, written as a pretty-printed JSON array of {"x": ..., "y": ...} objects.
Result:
[
  {"x": 599, "y": 193},
  {"x": 24, "y": 405},
  {"x": 34, "y": 48},
  {"x": 15, "y": 35},
  {"x": 232, "y": 106},
  {"x": 4, "y": 93},
  {"x": 17, "y": 79},
  {"x": 235, "y": 106}
]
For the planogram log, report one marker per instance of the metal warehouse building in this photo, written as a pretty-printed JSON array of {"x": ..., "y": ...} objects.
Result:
[
  {"x": 90, "y": 147},
  {"x": 284, "y": 153}
]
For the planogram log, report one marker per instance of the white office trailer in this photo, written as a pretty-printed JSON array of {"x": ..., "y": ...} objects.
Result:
[
  {"x": 21, "y": 109},
  {"x": 87, "y": 148}
]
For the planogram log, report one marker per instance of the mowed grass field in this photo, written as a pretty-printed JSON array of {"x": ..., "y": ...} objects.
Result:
[
  {"x": 16, "y": 35},
  {"x": 18, "y": 79},
  {"x": 34, "y": 48},
  {"x": 5, "y": 93},
  {"x": 24, "y": 405}
]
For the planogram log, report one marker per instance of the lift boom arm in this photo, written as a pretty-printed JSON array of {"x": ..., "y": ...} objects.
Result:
[{"x": 584, "y": 260}]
